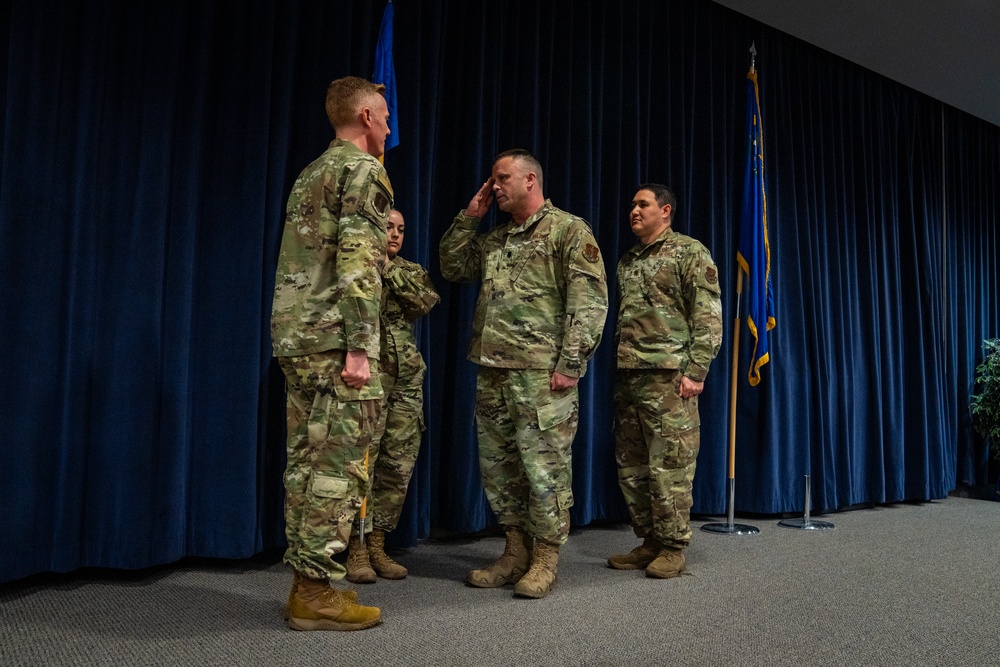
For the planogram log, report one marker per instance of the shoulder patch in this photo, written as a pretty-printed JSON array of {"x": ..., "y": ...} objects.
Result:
[
  {"x": 711, "y": 275},
  {"x": 378, "y": 197},
  {"x": 591, "y": 253},
  {"x": 381, "y": 203}
]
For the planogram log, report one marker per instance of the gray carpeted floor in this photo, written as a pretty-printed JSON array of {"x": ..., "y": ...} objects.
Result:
[{"x": 894, "y": 585}]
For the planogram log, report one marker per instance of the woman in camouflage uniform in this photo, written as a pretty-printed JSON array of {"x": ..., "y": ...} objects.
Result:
[{"x": 407, "y": 295}]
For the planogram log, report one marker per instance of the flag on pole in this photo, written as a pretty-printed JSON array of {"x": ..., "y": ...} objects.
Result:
[
  {"x": 385, "y": 73},
  {"x": 754, "y": 253}
]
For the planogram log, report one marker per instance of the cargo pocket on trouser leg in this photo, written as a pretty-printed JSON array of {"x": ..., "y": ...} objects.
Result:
[
  {"x": 565, "y": 500},
  {"x": 557, "y": 412},
  {"x": 673, "y": 483},
  {"x": 557, "y": 421},
  {"x": 327, "y": 526}
]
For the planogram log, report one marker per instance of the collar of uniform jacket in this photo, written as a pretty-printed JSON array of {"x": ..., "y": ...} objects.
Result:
[
  {"x": 513, "y": 229},
  {"x": 639, "y": 249}
]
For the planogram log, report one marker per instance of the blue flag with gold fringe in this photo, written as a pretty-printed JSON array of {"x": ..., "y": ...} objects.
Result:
[
  {"x": 754, "y": 253},
  {"x": 385, "y": 73}
]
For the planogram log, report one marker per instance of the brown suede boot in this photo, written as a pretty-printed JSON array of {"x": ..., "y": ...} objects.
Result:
[
  {"x": 348, "y": 593},
  {"x": 511, "y": 565},
  {"x": 541, "y": 578},
  {"x": 291, "y": 594},
  {"x": 316, "y": 606},
  {"x": 384, "y": 566},
  {"x": 638, "y": 558},
  {"x": 359, "y": 568},
  {"x": 669, "y": 563}
]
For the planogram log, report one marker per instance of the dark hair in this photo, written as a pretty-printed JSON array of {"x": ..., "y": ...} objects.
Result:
[
  {"x": 525, "y": 158},
  {"x": 663, "y": 194}
]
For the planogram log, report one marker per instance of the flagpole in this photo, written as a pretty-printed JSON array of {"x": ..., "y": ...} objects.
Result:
[
  {"x": 732, "y": 398},
  {"x": 730, "y": 527}
]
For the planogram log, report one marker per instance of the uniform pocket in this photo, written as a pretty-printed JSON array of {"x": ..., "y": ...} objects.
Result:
[
  {"x": 524, "y": 255},
  {"x": 328, "y": 486},
  {"x": 664, "y": 284},
  {"x": 556, "y": 412},
  {"x": 681, "y": 446}
]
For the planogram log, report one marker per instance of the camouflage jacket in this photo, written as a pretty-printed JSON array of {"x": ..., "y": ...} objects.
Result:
[
  {"x": 544, "y": 294},
  {"x": 670, "y": 313},
  {"x": 407, "y": 295},
  {"x": 327, "y": 287}
]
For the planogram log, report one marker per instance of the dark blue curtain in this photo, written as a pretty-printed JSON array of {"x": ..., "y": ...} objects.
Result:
[
  {"x": 971, "y": 234},
  {"x": 147, "y": 151}
]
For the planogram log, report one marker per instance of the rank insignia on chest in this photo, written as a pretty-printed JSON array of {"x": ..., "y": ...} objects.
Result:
[
  {"x": 591, "y": 253},
  {"x": 711, "y": 275}
]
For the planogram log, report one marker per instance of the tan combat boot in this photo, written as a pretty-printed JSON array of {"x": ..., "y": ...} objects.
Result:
[
  {"x": 511, "y": 565},
  {"x": 359, "y": 568},
  {"x": 350, "y": 594},
  {"x": 316, "y": 606},
  {"x": 669, "y": 563},
  {"x": 541, "y": 578},
  {"x": 638, "y": 558},
  {"x": 384, "y": 566}
]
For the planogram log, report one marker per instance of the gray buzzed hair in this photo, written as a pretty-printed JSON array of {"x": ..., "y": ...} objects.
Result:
[{"x": 525, "y": 158}]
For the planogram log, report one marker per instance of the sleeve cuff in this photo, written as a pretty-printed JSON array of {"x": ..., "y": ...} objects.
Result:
[{"x": 695, "y": 372}]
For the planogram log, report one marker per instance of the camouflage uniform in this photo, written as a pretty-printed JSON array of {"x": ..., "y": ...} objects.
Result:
[
  {"x": 669, "y": 326},
  {"x": 407, "y": 295},
  {"x": 326, "y": 302},
  {"x": 541, "y": 308}
]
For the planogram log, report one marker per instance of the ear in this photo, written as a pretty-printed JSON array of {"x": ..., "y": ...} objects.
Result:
[
  {"x": 666, "y": 209},
  {"x": 532, "y": 179},
  {"x": 366, "y": 116}
]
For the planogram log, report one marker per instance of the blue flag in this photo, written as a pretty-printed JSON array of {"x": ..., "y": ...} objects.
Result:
[
  {"x": 385, "y": 73},
  {"x": 754, "y": 252}
]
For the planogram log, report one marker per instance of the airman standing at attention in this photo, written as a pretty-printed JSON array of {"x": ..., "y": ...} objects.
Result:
[
  {"x": 325, "y": 333},
  {"x": 669, "y": 330}
]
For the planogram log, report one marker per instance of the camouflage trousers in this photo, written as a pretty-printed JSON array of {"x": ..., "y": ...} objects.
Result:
[
  {"x": 657, "y": 436},
  {"x": 330, "y": 425},
  {"x": 526, "y": 433},
  {"x": 394, "y": 449}
]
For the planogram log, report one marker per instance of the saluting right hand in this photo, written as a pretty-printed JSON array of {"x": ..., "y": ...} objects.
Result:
[{"x": 480, "y": 202}]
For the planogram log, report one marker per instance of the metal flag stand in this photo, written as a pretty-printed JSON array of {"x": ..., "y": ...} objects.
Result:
[
  {"x": 805, "y": 523},
  {"x": 730, "y": 528}
]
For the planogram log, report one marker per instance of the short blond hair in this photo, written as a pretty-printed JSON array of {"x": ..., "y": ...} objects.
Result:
[{"x": 346, "y": 96}]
